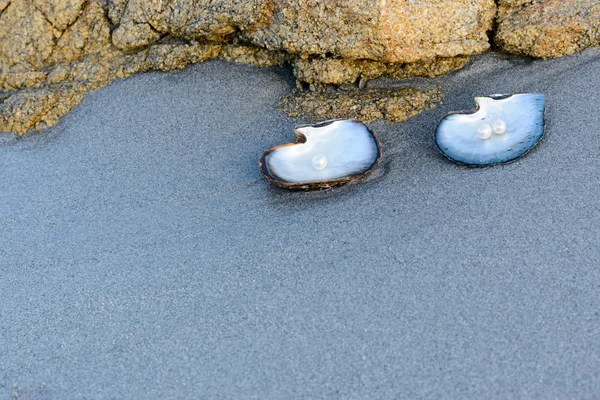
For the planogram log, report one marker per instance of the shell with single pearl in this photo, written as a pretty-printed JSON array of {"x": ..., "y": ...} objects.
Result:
[{"x": 324, "y": 155}]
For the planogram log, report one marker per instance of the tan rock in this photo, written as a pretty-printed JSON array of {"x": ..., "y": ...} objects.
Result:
[
  {"x": 51, "y": 94},
  {"x": 38, "y": 108},
  {"x": 26, "y": 38},
  {"x": 142, "y": 22},
  {"x": 512, "y": 3},
  {"x": 60, "y": 13},
  {"x": 255, "y": 56},
  {"x": 171, "y": 57},
  {"x": 387, "y": 31},
  {"x": 52, "y": 51},
  {"x": 87, "y": 34},
  {"x": 34, "y": 35},
  {"x": 364, "y": 105},
  {"x": 18, "y": 80},
  {"x": 390, "y": 31},
  {"x": 4, "y": 4},
  {"x": 339, "y": 71},
  {"x": 548, "y": 28}
]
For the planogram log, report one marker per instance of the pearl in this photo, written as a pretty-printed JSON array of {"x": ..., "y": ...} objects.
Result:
[
  {"x": 319, "y": 162},
  {"x": 484, "y": 131},
  {"x": 499, "y": 127}
]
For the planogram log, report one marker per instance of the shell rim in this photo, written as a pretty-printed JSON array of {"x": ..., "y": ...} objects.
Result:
[
  {"x": 322, "y": 184},
  {"x": 476, "y": 109}
]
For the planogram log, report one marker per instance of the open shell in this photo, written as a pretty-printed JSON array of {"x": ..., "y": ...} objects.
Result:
[
  {"x": 457, "y": 137},
  {"x": 347, "y": 148}
]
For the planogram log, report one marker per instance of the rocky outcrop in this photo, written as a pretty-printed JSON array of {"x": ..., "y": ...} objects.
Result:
[
  {"x": 38, "y": 108},
  {"x": 339, "y": 71},
  {"x": 364, "y": 105},
  {"x": 548, "y": 28},
  {"x": 53, "y": 51},
  {"x": 142, "y": 22},
  {"x": 48, "y": 95},
  {"x": 387, "y": 31},
  {"x": 38, "y": 34}
]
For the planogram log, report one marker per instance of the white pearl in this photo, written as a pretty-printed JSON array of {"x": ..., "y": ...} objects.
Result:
[
  {"x": 484, "y": 131},
  {"x": 499, "y": 127},
  {"x": 319, "y": 162}
]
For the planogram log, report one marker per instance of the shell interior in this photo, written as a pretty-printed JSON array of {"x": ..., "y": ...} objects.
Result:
[
  {"x": 457, "y": 138},
  {"x": 348, "y": 146}
]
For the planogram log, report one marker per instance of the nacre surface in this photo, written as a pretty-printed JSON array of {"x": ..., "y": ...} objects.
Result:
[
  {"x": 517, "y": 123},
  {"x": 324, "y": 155}
]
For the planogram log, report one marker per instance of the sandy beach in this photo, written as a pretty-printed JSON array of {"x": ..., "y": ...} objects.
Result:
[{"x": 144, "y": 256}]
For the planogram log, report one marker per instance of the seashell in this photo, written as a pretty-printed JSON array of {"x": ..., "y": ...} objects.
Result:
[
  {"x": 502, "y": 129},
  {"x": 326, "y": 154}
]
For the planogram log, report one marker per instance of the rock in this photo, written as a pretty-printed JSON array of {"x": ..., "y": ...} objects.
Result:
[
  {"x": 87, "y": 33},
  {"x": 50, "y": 95},
  {"x": 339, "y": 71},
  {"x": 26, "y": 37},
  {"x": 18, "y": 80},
  {"x": 171, "y": 57},
  {"x": 370, "y": 29},
  {"x": 38, "y": 108},
  {"x": 61, "y": 13},
  {"x": 548, "y": 28},
  {"x": 354, "y": 29},
  {"x": 255, "y": 56},
  {"x": 50, "y": 49},
  {"x": 141, "y": 22},
  {"x": 38, "y": 34},
  {"x": 364, "y": 105}
]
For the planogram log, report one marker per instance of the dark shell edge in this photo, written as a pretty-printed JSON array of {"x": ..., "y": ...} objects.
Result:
[{"x": 316, "y": 185}]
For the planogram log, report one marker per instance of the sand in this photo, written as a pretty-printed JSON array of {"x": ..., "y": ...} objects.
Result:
[{"x": 145, "y": 257}]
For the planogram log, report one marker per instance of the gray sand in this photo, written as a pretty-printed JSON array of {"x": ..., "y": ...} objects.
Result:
[{"x": 144, "y": 257}]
